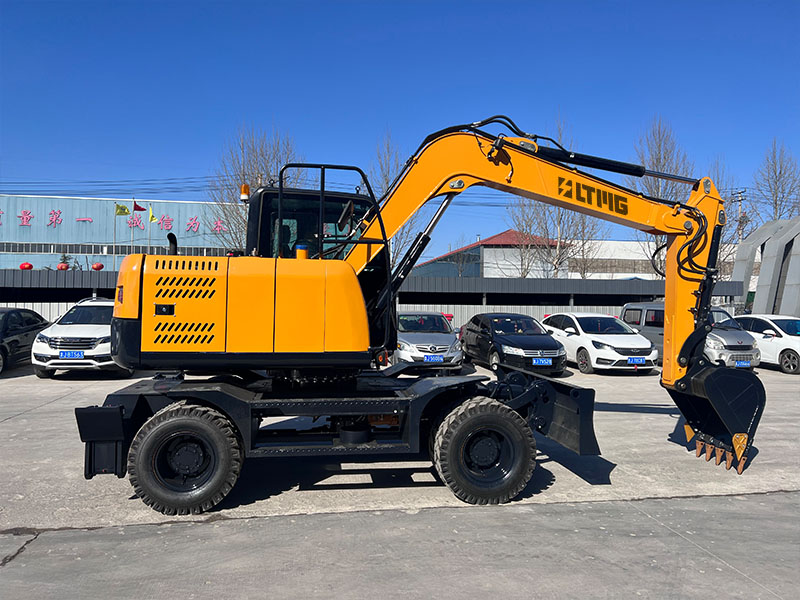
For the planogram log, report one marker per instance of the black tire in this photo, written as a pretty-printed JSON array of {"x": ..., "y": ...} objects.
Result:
[
  {"x": 584, "y": 362},
  {"x": 185, "y": 459},
  {"x": 789, "y": 362},
  {"x": 43, "y": 373},
  {"x": 484, "y": 452},
  {"x": 3, "y": 360},
  {"x": 494, "y": 360},
  {"x": 467, "y": 357}
]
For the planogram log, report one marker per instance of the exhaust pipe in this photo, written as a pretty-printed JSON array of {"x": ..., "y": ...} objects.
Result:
[{"x": 173, "y": 244}]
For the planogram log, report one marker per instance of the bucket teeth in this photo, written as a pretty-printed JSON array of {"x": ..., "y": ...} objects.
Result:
[
  {"x": 720, "y": 453},
  {"x": 709, "y": 452},
  {"x": 728, "y": 460},
  {"x": 740, "y": 466},
  {"x": 698, "y": 445}
]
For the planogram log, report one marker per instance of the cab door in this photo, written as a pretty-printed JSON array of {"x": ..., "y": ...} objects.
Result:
[
  {"x": 769, "y": 345},
  {"x": 571, "y": 341}
]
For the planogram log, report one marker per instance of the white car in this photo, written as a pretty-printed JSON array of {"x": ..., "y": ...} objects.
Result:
[
  {"x": 778, "y": 338},
  {"x": 79, "y": 339},
  {"x": 596, "y": 341}
]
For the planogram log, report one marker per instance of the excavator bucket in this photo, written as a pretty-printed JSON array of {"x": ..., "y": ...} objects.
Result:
[{"x": 722, "y": 408}]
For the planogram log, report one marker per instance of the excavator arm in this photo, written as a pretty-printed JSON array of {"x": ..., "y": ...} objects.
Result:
[{"x": 722, "y": 406}]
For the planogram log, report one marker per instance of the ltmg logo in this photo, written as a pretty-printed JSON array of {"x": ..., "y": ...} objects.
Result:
[{"x": 592, "y": 196}]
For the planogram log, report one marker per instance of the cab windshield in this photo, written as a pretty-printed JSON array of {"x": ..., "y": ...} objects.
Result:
[
  {"x": 789, "y": 326},
  {"x": 87, "y": 315},
  {"x": 604, "y": 326},
  {"x": 721, "y": 319},
  {"x": 516, "y": 326},
  {"x": 423, "y": 324}
]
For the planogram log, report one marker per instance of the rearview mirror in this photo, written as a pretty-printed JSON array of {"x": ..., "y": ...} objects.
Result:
[
  {"x": 770, "y": 333},
  {"x": 570, "y": 331},
  {"x": 634, "y": 330}
]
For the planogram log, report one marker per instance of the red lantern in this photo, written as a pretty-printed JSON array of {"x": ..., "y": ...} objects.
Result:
[
  {"x": 26, "y": 266},
  {"x": 62, "y": 267},
  {"x": 98, "y": 266}
]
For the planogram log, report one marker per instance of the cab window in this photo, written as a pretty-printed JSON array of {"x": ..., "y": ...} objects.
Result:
[
  {"x": 633, "y": 316},
  {"x": 759, "y": 326},
  {"x": 654, "y": 318}
]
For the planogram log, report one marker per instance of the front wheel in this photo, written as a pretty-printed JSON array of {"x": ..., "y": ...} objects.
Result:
[
  {"x": 43, "y": 373},
  {"x": 484, "y": 452},
  {"x": 584, "y": 362},
  {"x": 494, "y": 360},
  {"x": 790, "y": 362},
  {"x": 185, "y": 459}
]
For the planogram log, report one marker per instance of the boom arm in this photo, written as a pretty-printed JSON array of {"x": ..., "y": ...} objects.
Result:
[{"x": 458, "y": 158}]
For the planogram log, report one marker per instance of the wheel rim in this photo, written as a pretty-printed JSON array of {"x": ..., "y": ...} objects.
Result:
[
  {"x": 790, "y": 362},
  {"x": 494, "y": 361},
  {"x": 184, "y": 462},
  {"x": 488, "y": 457},
  {"x": 583, "y": 361}
]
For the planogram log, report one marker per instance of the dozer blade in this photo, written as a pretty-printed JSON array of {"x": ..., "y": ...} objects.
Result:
[{"x": 723, "y": 407}]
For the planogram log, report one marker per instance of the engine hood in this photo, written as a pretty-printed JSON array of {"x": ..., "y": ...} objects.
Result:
[
  {"x": 731, "y": 337},
  {"x": 79, "y": 331},
  {"x": 424, "y": 338},
  {"x": 625, "y": 340},
  {"x": 529, "y": 342}
]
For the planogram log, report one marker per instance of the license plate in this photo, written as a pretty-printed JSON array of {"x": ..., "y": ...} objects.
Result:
[
  {"x": 635, "y": 360},
  {"x": 543, "y": 361},
  {"x": 433, "y": 358},
  {"x": 70, "y": 354},
  {"x": 742, "y": 363}
]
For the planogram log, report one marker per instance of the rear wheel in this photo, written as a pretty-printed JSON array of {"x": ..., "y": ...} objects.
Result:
[
  {"x": 185, "y": 459},
  {"x": 790, "y": 362},
  {"x": 584, "y": 361},
  {"x": 43, "y": 373},
  {"x": 484, "y": 452}
]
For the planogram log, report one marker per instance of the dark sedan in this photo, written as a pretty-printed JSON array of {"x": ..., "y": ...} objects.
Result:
[
  {"x": 18, "y": 329},
  {"x": 515, "y": 340}
]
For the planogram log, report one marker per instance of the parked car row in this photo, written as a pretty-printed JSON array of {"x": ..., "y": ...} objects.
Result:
[
  {"x": 79, "y": 339},
  {"x": 591, "y": 341}
]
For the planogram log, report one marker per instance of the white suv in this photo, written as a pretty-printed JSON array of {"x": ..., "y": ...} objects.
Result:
[{"x": 79, "y": 339}]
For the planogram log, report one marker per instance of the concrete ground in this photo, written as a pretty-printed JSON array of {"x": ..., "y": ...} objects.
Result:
[{"x": 639, "y": 520}]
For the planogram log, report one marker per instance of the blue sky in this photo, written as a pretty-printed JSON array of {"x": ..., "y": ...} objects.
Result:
[{"x": 138, "y": 90}]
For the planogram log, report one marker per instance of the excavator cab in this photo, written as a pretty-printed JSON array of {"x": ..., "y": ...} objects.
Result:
[{"x": 318, "y": 223}]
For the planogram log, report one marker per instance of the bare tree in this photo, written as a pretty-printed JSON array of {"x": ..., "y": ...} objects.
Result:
[
  {"x": 552, "y": 237},
  {"x": 777, "y": 184},
  {"x": 254, "y": 157},
  {"x": 738, "y": 224},
  {"x": 462, "y": 260},
  {"x": 658, "y": 150},
  {"x": 388, "y": 165},
  {"x": 585, "y": 247}
]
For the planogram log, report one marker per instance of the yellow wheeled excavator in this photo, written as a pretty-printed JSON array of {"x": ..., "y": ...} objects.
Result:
[{"x": 299, "y": 322}]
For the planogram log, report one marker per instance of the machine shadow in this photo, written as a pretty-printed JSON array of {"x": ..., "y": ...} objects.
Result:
[
  {"x": 594, "y": 470},
  {"x": 265, "y": 478},
  {"x": 678, "y": 436}
]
